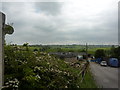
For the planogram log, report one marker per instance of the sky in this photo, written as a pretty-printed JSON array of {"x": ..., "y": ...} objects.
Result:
[{"x": 62, "y": 22}]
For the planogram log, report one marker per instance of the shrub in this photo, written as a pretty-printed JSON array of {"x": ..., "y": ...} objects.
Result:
[
  {"x": 99, "y": 53},
  {"x": 29, "y": 69}
]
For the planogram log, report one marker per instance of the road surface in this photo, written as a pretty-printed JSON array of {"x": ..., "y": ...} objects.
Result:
[{"x": 105, "y": 77}]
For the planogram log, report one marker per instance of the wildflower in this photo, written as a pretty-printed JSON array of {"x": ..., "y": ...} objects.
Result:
[
  {"x": 68, "y": 82},
  {"x": 38, "y": 76},
  {"x": 66, "y": 86},
  {"x": 68, "y": 74},
  {"x": 52, "y": 69},
  {"x": 48, "y": 63},
  {"x": 65, "y": 72}
]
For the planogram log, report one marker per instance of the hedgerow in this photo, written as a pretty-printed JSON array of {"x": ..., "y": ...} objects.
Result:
[{"x": 27, "y": 69}]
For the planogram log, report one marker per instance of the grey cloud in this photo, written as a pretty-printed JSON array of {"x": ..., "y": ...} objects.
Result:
[
  {"x": 53, "y": 27},
  {"x": 49, "y": 8}
]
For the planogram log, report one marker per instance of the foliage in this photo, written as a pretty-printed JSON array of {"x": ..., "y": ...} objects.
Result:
[
  {"x": 88, "y": 81},
  {"x": 115, "y": 52},
  {"x": 99, "y": 53},
  {"x": 35, "y": 49},
  {"x": 27, "y": 69},
  {"x": 26, "y": 46}
]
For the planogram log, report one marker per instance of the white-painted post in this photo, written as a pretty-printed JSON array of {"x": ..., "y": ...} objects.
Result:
[{"x": 2, "y": 23}]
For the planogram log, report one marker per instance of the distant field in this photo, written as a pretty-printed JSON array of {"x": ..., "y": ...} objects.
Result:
[
  {"x": 70, "y": 48},
  {"x": 92, "y": 50}
]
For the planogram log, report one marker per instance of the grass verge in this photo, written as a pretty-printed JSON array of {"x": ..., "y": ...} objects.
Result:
[{"x": 89, "y": 81}]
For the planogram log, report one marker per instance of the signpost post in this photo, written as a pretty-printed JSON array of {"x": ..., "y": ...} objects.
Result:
[
  {"x": 4, "y": 29},
  {"x": 2, "y": 23},
  {"x": 119, "y": 40}
]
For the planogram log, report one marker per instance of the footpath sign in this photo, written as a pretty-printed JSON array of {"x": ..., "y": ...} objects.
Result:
[
  {"x": 4, "y": 29},
  {"x": 2, "y": 23}
]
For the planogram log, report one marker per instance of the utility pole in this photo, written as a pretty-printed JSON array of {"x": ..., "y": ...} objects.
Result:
[{"x": 86, "y": 51}]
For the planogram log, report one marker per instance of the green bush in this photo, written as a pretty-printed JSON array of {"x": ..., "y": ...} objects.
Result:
[
  {"x": 27, "y": 69},
  {"x": 99, "y": 53}
]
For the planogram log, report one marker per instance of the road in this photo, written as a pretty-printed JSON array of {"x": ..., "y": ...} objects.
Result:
[{"x": 105, "y": 77}]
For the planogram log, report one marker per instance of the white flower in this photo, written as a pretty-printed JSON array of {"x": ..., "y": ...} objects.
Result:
[
  {"x": 59, "y": 71},
  {"x": 48, "y": 63},
  {"x": 52, "y": 69},
  {"x": 38, "y": 76},
  {"x": 65, "y": 72},
  {"x": 66, "y": 86},
  {"x": 68, "y": 74},
  {"x": 68, "y": 82}
]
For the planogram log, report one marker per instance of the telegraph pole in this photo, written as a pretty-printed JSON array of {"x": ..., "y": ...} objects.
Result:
[{"x": 86, "y": 51}]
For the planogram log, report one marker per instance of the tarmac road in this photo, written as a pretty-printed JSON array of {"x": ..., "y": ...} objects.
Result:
[{"x": 105, "y": 77}]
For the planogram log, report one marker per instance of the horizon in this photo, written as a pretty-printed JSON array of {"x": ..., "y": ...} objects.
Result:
[{"x": 9, "y": 43}]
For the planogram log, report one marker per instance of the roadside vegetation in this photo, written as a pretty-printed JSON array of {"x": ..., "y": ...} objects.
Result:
[
  {"x": 29, "y": 66},
  {"x": 113, "y": 52},
  {"x": 25, "y": 68},
  {"x": 89, "y": 81}
]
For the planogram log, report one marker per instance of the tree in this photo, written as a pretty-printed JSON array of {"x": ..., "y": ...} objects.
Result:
[
  {"x": 112, "y": 51},
  {"x": 100, "y": 53},
  {"x": 35, "y": 49},
  {"x": 71, "y": 51},
  {"x": 83, "y": 50},
  {"x": 117, "y": 52},
  {"x": 59, "y": 50},
  {"x": 26, "y": 45}
]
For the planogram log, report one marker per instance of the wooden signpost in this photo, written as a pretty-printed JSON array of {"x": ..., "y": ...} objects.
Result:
[
  {"x": 2, "y": 23},
  {"x": 4, "y": 29}
]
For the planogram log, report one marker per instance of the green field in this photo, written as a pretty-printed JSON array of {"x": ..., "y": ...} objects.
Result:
[
  {"x": 92, "y": 50},
  {"x": 71, "y": 48}
]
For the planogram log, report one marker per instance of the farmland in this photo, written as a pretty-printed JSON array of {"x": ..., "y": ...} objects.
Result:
[{"x": 70, "y": 48}]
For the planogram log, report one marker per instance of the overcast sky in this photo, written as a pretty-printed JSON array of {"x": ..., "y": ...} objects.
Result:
[{"x": 66, "y": 22}]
